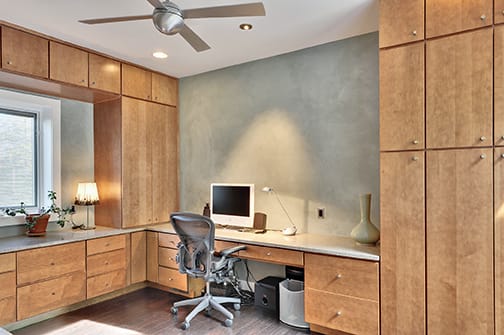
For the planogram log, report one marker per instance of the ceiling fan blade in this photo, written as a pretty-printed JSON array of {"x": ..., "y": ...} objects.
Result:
[
  {"x": 193, "y": 39},
  {"x": 117, "y": 19},
  {"x": 248, "y": 9},
  {"x": 156, "y": 3}
]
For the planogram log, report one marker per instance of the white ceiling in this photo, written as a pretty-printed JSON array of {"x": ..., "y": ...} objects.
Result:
[{"x": 288, "y": 25}]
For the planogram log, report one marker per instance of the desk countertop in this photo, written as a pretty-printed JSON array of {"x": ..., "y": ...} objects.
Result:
[{"x": 323, "y": 244}]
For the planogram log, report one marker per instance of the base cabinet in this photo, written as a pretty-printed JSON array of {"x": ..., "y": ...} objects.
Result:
[{"x": 7, "y": 288}]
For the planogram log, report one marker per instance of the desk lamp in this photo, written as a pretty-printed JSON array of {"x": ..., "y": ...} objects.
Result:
[
  {"x": 289, "y": 231},
  {"x": 87, "y": 195}
]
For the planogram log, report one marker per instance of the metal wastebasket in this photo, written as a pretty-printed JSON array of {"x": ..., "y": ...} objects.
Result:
[{"x": 292, "y": 303}]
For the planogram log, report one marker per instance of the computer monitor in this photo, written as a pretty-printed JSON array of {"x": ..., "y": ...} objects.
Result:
[{"x": 232, "y": 204}]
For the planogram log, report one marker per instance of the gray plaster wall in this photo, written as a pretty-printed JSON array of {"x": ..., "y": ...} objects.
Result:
[{"x": 303, "y": 123}]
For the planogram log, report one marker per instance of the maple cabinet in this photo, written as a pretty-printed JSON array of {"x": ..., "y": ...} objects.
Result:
[
  {"x": 499, "y": 11},
  {"x": 446, "y": 17},
  {"x": 164, "y": 89},
  {"x": 402, "y": 98},
  {"x": 68, "y": 64},
  {"x": 460, "y": 242},
  {"x": 25, "y": 53},
  {"x": 402, "y": 251},
  {"x": 7, "y": 288},
  {"x": 499, "y": 239},
  {"x": 401, "y": 22},
  {"x": 138, "y": 262},
  {"x": 136, "y": 82},
  {"x": 104, "y": 74},
  {"x": 459, "y": 90},
  {"x": 499, "y": 85}
]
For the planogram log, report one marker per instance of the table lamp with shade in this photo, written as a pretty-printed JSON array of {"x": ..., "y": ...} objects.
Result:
[
  {"x": 87, "y": 195},
  {"x": 289, "y": 231}
]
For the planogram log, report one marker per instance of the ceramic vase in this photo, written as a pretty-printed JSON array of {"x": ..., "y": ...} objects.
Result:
[{"x": 365, "y": 232}]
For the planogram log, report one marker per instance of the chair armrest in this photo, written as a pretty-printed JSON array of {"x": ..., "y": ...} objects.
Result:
[{"x": 229, "y": 251}]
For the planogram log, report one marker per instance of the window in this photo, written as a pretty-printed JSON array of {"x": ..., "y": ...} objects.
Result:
[{"x": 29, "y": 151}]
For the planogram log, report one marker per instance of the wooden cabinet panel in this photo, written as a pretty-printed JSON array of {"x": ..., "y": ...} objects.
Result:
[
  {"x": 446, "y": 17},
  {"x": 7, "y": 262},
  {"x": 68, "y": 64},
  {"x": 152, "y": 256},
  {"x": 499, "y": 240},
  {"x": 50, "y": 294},
  {"x": 459, "y": 90},
  {"x": 106, "y": 283},
  {"x": 136, "y": 82},
  {"x": 172, "y": 278},
  {"x": 460, "y": 242},
  {"x": 43, "y": 263},
  {"x": 168, "y": 257},
  {"x": 106, "y": 262},
  {"x": 136, "y": 164},
  {"x": 402, "y": 98},
  {"x": 402, "y": 250},
  {"x": 104, "y": 244},
  {"x": 26, "y": 53},
  {"x": 168, "y": 240},
  {"x": 499, "y": 11},
  {"x": 8, "y": 310},
  {"x": 401, "y": 22},
  {"x": 342, "y": 275},
  {"x": 499, "y": 85},
  {"x": 138, "y": 257},
  {"x": 273, "y": 255},
  {"x": 104, "y": 74},
  {"x": 7, "y": 284},
  {"x": 164, "y": 89},
  {"x": 344, "y": 313},
  {"x": 164, "y": 134}
]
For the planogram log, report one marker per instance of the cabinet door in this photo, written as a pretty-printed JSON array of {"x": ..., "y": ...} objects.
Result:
[
  {"x": 68, "y": 64},
  {"x": 460, "y": 242},
  {"x": 164, "y": 89},
  {"x": 152, "y": 256},
  {"x": 401, "y": 22},
  {"x": 104, "y": 74},
  {"x": 499, "y": 85},
  {"x": 138, "y": 257},
  {"x": 499, "y": 11},
  {"x": 446, "y": 17},
  {"x": 402, "y": 251},
  {"x": 402, "y": 98},
  {"x": 164, "y": 132},
  {"x": 459, "y": 90},
  {"x": 136, "y": 82},
  {"x": 23, "y": 52},
  {"x": 499, "y": 240},
  {"x": 136, "y": 164}
]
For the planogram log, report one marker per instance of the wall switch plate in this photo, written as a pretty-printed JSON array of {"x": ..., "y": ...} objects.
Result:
[{"x": 321, "y": 213}]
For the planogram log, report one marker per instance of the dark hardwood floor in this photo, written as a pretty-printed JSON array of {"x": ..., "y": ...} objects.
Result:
[{"x": 147, "y": 312}]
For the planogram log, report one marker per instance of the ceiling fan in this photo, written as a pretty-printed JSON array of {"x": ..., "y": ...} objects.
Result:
[{"x": 169, "y": 19}]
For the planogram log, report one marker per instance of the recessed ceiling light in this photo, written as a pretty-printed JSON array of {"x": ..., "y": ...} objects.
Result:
[
  {"x": 245, "y": 26},
  {"x": 159, "y": 54}
]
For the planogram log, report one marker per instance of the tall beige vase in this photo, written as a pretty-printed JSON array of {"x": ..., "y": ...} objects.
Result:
[{"x": 365, "y": 232}]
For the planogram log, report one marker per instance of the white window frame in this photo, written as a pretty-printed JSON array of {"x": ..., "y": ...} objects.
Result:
[{"x": 49, "y": 144}]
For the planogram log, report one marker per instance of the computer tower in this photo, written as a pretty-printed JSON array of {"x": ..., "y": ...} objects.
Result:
[{"x": 266, "y": 294}]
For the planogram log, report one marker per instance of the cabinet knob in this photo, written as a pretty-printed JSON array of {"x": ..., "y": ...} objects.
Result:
[
  {"x": 502, "y": 137},
  {"x": 338, "y": 313},
  {"x": 170, "y": 279},
  {"x": 93, "y": 83},
  {"x": 415, "y": 142},
  {"x": 502, "y": 155},
  {"x": 268, "y": 254},
  {"x": 52, "y": 263},
  {"x": 414, "y": 158},
  {"x": 414, "y": 33},
  {"x": 338, "y": 276},
  {"x": 482, "y": 156},
  {"x": 83, "y": 80},
  {"x": 482, "y": 138},
  {"x": 106, "y": 262},
  {"x": 9, "y": 62},
  {"x": 53, "y": 293},
  {"x": 483, "y": 17}
]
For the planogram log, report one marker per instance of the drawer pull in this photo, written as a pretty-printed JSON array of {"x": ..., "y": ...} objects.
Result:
[
  {"x": 338, "y": 313},
  {"x": 171, "y": 259},
  {"x": 170, "y": 279},
  {"x": 338, "y": 276},
  {"x": 9, "y": 62},
  {"x": 107, "y": 244},
  {"x": 53, "y": 293},
  {"x": 268, "y": 254},
  {"x": 106, "y": 262},
  {"x": 52, "y": 264}
]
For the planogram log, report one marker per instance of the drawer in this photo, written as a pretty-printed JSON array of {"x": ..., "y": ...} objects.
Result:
[
  {"x": 50, "y": 294},
  {"x": 167, "y": 258},
  {"x": 273, "y": 255},
  {"x": 7, "y": 262},
  {"x": 7, "y": 284},
  {"x": 221, "y": 245},
  {"x": 7, "y": 310},
  {"x": 44, "y": 263},
  {"x": 168, "y": 240},
  {"x": 172, "y": 278},
  {"x": 105, "y": 244},
  {"x": 106, "y": 262},
  {"x": 342, "y": 275},
  {"x": 344, "y": 313},
  {"x": 105, "y": 283}
]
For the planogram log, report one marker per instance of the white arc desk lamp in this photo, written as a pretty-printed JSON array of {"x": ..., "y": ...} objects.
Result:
[{"x": 289, "y": 231}]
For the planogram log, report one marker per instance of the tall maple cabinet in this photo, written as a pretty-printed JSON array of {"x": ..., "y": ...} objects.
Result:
[{"x": 442, "y": 167}]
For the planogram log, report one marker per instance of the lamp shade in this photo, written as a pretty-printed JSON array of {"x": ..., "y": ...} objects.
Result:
[{"x": 87, "y": 194}]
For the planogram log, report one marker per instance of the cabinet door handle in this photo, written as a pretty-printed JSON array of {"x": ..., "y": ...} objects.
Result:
[
  {"x": 9, "y": 62},
  {"x": 483, "y": 17},
  {"x": 414, "y": 158},
  {"x": 482, "y": 138},
  {"x": 338, "y": 313},
  {"x": 502, "y": 155},
  {"x": 414, "y": 33},
  {"x": 268, "y": 254},
  {"x": 482, "y": 156},
  {"x": 338, "y": 276},
  {"x": 415, "y": 142}
]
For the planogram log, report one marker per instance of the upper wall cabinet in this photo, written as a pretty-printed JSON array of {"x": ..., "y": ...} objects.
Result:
[
  {"x": 401, "y": 22},
  {"x": 459, "y": 90},
  {"x": 402, "y": 98},
  {"x": 164, "y": 89},
  {"x": 499, "y": 85},
  {"x": 136, "y": 82},
  {"x": 104, "y": 74},
  {"x": 68, "y": 64},
  {"x": 446, "y": 17},
  {"x": 499, "y": 11},
  {"x": 26, "y": 53}
]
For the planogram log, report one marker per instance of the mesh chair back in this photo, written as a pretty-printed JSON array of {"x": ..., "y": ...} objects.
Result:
[{"x": 196, "y": 233}]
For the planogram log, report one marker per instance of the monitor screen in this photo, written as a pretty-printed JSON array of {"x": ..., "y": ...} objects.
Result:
[{"x": 232, "y": 204}]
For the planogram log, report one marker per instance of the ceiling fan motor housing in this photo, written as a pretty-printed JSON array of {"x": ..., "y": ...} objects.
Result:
[{"x": 168, "y": 20}]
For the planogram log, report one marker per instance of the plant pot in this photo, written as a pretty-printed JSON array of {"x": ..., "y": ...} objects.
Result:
[{"x": 40, "y": 226}]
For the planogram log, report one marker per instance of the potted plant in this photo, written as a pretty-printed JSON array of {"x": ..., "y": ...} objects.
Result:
[{"x": 36, "y": 223}]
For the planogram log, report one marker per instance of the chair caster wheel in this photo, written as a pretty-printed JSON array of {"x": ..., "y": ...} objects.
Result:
[
  {"x": 228, "y": 322},
  {"x": 237, "y": 307},
  {"x": 185, "y": 325},
  {"x": 207, "y": 311},
  {"x": 174, "y": 310}
]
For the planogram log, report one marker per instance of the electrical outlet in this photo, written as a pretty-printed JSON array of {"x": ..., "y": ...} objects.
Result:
[{"x": 321, "y": 213}]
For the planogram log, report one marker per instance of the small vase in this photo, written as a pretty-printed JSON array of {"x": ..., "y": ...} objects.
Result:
[
  {"x": 365, "y": 232},
  {"x": 39, "y": 229}
]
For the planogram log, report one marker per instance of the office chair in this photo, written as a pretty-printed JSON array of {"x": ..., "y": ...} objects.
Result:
[{"x": 197, "y": 258}]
